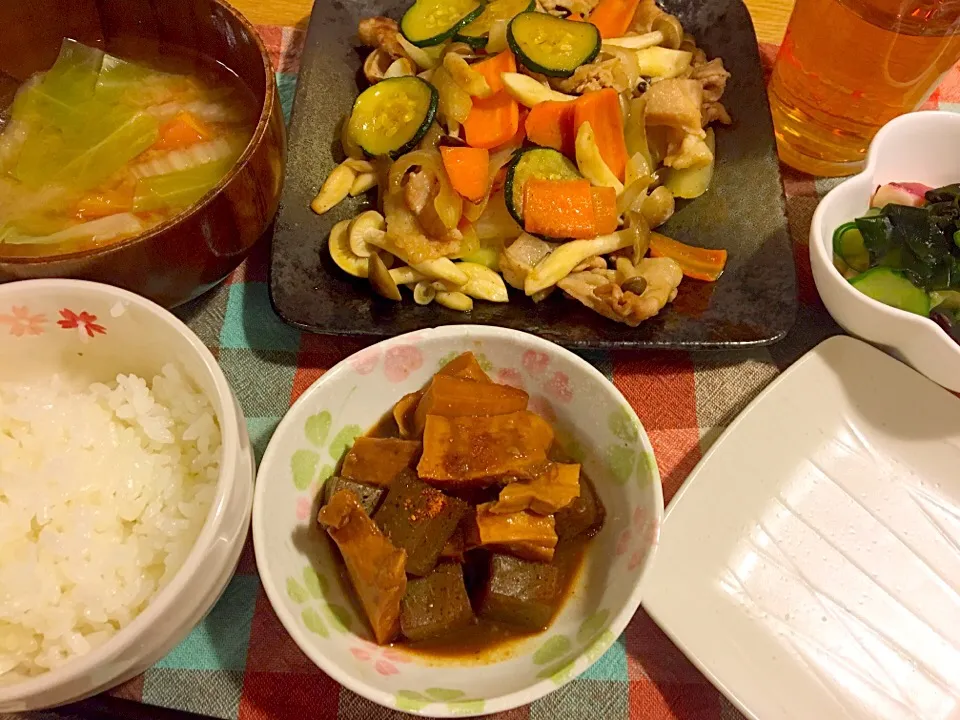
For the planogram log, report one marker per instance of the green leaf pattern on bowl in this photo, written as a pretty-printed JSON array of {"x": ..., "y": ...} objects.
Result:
[
  {"x": 456, "y": 703},
  {"x": 305, "y": 464},
  {"x": 318, "y": 427},
  {"x": 627, "y": 458},
  {"x": 593, "y": 640},
  {"x": 316, "y": 587},
  {"x": 343, "y": 440},
  {"x": 552, "y": 649}
]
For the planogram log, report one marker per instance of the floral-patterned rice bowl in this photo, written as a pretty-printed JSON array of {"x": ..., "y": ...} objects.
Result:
[
  {"x": 89, "y": 332},
  {"x": 300, "y": 574}
]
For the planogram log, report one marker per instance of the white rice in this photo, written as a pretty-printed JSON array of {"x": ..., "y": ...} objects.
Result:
[{"x": 103, "y": 491}]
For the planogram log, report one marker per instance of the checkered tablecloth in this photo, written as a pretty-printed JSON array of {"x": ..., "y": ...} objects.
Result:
[{"x": 240, "y": 663}]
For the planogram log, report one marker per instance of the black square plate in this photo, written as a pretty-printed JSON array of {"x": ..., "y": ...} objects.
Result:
[{"x": 753, "y": 303}]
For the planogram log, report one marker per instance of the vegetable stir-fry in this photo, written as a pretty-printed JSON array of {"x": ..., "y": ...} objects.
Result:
[
  {"x": 905, "y": 252},
  {"x": 530, "y": 144}
]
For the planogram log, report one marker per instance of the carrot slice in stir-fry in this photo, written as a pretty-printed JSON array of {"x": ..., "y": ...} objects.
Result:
[
  {"x": 601, "y": 108},
  {"x": 493, "y": 120},
  {"x": 697, "y": 263},
  {"x": 467, "y": 169},
  {"x": 605, "y": 209},
  {"x": 550, "y": 124},
  {"x": 613, "y": 17},
  {"x": 559, "y": 209}
]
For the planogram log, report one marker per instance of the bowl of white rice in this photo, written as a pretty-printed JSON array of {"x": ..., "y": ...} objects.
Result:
[{"x": 126, "y": 479}]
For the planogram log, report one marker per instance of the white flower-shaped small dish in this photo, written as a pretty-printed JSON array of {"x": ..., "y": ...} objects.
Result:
[
  {"x": 301, "y": 576},
  {"x": 919, "y": 147}
]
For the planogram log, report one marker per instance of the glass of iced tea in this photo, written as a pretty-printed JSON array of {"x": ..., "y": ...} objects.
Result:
[{"x": 846, "y": 67}]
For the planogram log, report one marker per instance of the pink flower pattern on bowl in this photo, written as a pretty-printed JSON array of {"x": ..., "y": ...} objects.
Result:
[
  {"x": 22, "y": 322},
  {"x": 642, "y": 534},
  {"x": 535, "y": 363},
  {"x": 25, "y": 323},
  {"x": 84, "y": 320},
  {"x": 511, "y": 377},
  {"x": 365, "y": 361},
  {"x": 383, "y": 659},
  {"x": 559, "y": 387},
  {"x": 401, "y": 361}
]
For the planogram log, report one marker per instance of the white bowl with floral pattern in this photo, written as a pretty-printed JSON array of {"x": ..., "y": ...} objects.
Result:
[
  {"x": 91, "y": 332},
  {"x": 300, "y": 574}
]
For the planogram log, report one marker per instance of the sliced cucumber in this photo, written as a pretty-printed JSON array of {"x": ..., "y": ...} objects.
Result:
[
  {"x": 431, "y": 22},
  {"x": 893, "y": 288},
  {"x": 946, "y": 300},
  {"x": 534, "y": 162},
  {"x": 391, "y": 117},
  {"x": 848, "y": 244},
  {"x": 550, "y": 45},
  {"x": 475, "y": 33}
]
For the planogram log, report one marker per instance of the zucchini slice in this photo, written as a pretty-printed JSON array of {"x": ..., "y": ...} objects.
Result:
[
  {"x": 391, "y": 117},
  {"x": 848, "y": 244},
  {"x": 550, "y": 45},
  {"x": 893, "y": 288},
  {"x": 431, "y": 22},
  {"x": 475, "y": 33},
  {"x": 534, "y": 162}
]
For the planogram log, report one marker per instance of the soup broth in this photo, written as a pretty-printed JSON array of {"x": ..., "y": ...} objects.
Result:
[{"x": 99, "y": 149}]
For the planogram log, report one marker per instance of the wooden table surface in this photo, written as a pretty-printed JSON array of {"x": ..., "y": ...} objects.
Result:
[{"x": 769, "y": 16}]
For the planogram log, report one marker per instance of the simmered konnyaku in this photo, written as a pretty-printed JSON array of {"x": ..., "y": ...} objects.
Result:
[{"x": 459, "y": 519}]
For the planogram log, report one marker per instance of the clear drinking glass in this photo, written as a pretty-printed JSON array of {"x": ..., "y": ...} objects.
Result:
[{"x": 846, "y": 67}]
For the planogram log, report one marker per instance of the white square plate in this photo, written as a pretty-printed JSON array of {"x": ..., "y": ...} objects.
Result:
[{"x": 810, "y": 565}]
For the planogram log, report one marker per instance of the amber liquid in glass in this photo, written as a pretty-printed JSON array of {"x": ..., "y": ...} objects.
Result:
[{"x": 846, "y": 67}]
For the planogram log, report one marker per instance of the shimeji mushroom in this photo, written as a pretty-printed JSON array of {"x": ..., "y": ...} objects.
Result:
[
  {"x": 338, "y": 245},
  {"x": 334, "y": 189},
  {"x": 561, "y": 262},
  {"x": 590, "y": 162},
  {"x": 381, "y": 279},
  {"x": 363, "y": 227},
  {"x": 482, "y": 283},
  {"x": 442, "y": 269}
]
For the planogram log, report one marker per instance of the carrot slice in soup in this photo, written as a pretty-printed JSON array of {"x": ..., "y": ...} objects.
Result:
[{"x": 181, "y": 131}]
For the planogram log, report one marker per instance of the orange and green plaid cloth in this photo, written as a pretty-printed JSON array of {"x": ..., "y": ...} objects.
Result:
[{"x": 240, "y": 663}]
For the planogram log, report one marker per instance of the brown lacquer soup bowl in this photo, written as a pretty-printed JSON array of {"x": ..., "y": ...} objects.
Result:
[{"x": 189, "y": 253}]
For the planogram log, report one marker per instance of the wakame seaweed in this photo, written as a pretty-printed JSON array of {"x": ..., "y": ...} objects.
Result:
[{"x": 918, "y": 240}]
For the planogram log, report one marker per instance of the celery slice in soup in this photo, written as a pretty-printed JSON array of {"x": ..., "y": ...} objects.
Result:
[{"x": 179, "y": 189}]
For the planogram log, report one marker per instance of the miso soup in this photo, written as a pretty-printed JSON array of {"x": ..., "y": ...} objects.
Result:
[{"x": 99, "y": 149}]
